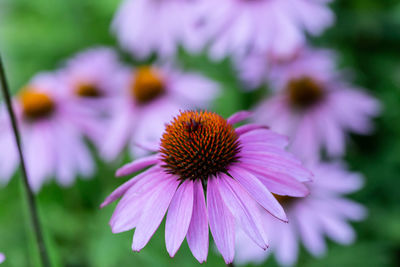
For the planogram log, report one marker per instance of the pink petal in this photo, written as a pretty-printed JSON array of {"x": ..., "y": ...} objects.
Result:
[
  {"x": 153, "y": 213},
  {"x": 128, "y": 211},
  {"x": 197, "y": 236},
  {"x": 310, "y": 231},
  {"x": 137, "y": 165},
  {"x": 117, "y": 193},
  {"x": 178, "y": 217},
  {"x": 222, "y": 223},
  {"x": 265, "y": 136},
  {"x": 258, "y": 191},
  {"x": 249, "y": 127},
  {"x": 287, "y": 246},
  {"x": 239, "y": 116},
  {"x": 279, "y": 183},
  {"x": 243, "y": 207}
]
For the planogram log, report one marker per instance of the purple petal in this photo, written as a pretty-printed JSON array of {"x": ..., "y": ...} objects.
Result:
[
  {"x": 278, "y": 183},
  {"x": 153, "y": 212},
  {"x": 276, "y": 167},
  {"x": 264, "y": 136},
  {"x": 137, "y": 165},
  {"x": 117, "y": 193},
  {"x": 222, "y": 223},
  {"x": 310, "y": 231},
  {"x": 238, "y": 117},
  {"x": 128, "y": 211},
  {"x": 248, "y": 128},
  {"x": 337, "y": 229},
  {"x": 243, "y": 207},
  {"x": 258, "y": 191},
  {"x": 197, "y": 235},
  {"x": 178, "y": 217},
  {"x": 286, "y": 249}
]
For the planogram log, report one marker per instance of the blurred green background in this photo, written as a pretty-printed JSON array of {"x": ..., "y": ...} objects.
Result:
[{"x": 37, "y": 35}]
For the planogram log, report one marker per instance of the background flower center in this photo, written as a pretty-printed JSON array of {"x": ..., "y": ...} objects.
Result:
[
  {"x": 285, "y": 200},
  {"x": 36, "y": 105},
  {"x": 304, "y": 92},
  {"x": 86, "y": 89},
  {"x": 147, "y": 85},
  {"x": 196, "y": 145}
]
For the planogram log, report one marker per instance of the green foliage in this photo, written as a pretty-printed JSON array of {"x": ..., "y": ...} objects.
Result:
[{"x": 38, "y": 35}]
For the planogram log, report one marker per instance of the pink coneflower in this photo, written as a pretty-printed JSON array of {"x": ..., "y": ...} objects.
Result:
[
  {"x": 144, "y": 27},
  {"x": 52, "y": 132},
  {"x": 275, "y": 27},
  {"x": 201, "y": 151},
  {"x": 323, "y": 212},
  {"x": 314, "y": 106},
  {"x": 2, "y": 258},
  {"x": 152, "y": 96},
  {"x": 93, "y": 75}
]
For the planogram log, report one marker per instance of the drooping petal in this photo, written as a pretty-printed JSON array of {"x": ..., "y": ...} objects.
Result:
[
  {"x": 243, "y": 207},
  {"x": 310, "y": 231},
  {"x": 117, "y": 193},
  {"x": 264, "y": 136},
  {"x": 197, "y": 235},
  {"x": 129, "y": 209},
  {"x": 287, "y": 247},
  {"x": 137, "y": 165},
  {"x": 249, "y": 127},
  {"x": 259, "y": 192},
  {"x": 279, "y": 184},
  {"x": 239, "y": 116},
  {"x": 153, "y": 212},
  {"x": 178, "y": 217},
  {"x": 222, "y": 223}
]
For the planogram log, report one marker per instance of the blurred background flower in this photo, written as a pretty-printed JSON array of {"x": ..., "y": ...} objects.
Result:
[
  {"x": 52, "y": 130},
  {"x": 323, "y": 212}
]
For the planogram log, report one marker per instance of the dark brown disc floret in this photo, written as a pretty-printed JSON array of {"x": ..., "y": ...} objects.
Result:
[{"x": 304, "y": 92}]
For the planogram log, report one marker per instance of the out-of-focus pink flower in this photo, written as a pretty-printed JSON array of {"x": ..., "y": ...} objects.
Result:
[
  {"x": 94, "y": 79},
  {"x": 238, "y": 168},
  {"x": 144, "y": 27},
  {"x": 275, "y": 27},
  {"x": 2, "y": 258},
  {"x": 151, "y": 97},
  {"x": 52, "y": 132},
  {"x": 93, "y": 75},
  {"x": 314, "y": 106},
  {"x": 323, "y": 212}
]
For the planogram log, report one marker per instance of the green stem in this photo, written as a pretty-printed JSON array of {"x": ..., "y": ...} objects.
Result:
[{"x": 30, "y": 196}]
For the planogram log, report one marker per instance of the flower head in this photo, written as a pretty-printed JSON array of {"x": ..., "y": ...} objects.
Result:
[
  {"x": 323, "y": 212},
  {"x": 144, "y": 27},
  {"x": 314, "y": 106},
  {"x": 152, "y": 96},
  {"x": 201, "y": 151},
  {"x": 52, "y": 132},
  {"x": 2, "y": 258},
  {"x": 93, "y": 75},
  {"x": 275, "y": 27}
]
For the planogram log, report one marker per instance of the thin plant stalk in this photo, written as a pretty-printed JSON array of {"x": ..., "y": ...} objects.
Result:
[{"x": 30, "y": 196}]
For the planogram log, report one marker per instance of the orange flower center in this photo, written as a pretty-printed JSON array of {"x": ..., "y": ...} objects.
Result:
[
  {"x": 36, "y": 105},
  {"x": 147, "y": 85},
  {"x": 197, "y": 145},
  {"x": 304, "y": 92},
  {"x": 89, "y": 90}
]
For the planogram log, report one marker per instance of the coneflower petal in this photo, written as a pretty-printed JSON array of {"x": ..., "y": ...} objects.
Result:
[
  {"x": 178, "y": 217},
  {"x": 222, "y": 222},
  {"x": 197, "y": 236}
]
